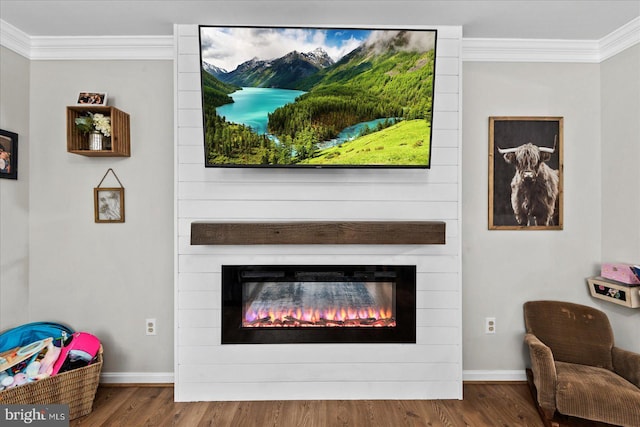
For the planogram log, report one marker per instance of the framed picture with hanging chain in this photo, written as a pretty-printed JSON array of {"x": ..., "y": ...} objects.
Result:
[{"x": 109, "y": 201}]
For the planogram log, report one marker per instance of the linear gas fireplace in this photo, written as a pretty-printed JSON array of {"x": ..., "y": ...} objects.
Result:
[{"x": 280, "y": 304}]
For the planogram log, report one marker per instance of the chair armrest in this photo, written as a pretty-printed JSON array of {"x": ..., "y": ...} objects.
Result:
[
  {"x": 544, "y": 372},
  {"x": 627, "y": 365}
]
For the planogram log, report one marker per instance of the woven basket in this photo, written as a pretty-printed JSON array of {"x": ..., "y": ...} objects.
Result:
[{"x": 76, "y": 388}]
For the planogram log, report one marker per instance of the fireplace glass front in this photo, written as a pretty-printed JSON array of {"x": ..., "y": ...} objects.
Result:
[{"x": 318, "y": 304}]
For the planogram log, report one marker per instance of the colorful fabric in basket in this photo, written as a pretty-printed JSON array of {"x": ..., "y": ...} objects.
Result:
[
  {"x": 32, "y": 332},
  {"x": 78, "y": 352}
]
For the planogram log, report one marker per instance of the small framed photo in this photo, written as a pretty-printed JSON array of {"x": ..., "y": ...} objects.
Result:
[
  {"x": 109, "y": 204},
  {"x": 92, "y": 98},
  {"x": 525, "y": 173},
  {"x": 8, "y": 155}
]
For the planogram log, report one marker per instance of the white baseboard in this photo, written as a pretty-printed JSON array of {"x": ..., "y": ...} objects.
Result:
[
  {"x": 167, "y": 377},
  {"x": 494, "y": 375},
  {"x": 136, "y": 377}
]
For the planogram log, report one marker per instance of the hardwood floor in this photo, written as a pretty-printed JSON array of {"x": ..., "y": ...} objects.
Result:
[
  {"x": 484, "y": 405},
  {"x": 494, "y": 405}
]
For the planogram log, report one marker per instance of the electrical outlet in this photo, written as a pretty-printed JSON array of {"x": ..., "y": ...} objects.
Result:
[
  {"x": 489, "y": 325},
  {"x": 151, "y": 326}
]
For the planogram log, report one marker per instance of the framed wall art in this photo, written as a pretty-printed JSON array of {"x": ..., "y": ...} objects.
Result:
[
  {"x": 109, "y": 204},
  {"x": 525, "y": 173},
  {"x": 109, "y": 201},
  {"x": 8, "y": 154}
]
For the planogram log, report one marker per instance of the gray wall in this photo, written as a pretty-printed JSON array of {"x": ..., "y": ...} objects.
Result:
[
  {"x": 620, "y": 165},
  {"x": 105, "y": 278},
  {"x": 14, "y": 195},
  {"x": 503, "y": 269},
  {"x": 621, "y": 157}
]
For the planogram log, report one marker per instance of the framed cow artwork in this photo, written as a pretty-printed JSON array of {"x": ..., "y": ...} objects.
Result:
[{"x": 525, "y": 173}]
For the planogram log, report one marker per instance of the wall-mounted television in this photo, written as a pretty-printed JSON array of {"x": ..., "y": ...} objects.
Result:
[{"x": 317, "y": 97}]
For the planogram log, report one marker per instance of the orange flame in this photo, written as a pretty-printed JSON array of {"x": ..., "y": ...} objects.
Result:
[{"x": 313, "y": 316}]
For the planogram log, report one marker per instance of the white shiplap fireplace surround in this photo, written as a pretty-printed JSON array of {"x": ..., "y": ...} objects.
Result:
[{"x": 431, "y": 368}]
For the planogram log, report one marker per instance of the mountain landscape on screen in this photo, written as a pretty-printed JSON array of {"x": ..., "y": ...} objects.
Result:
[{"x": 317, "y": 97}]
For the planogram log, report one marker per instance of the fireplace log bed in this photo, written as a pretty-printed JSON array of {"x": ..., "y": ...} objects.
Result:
[{"x": 319, "y": 233}]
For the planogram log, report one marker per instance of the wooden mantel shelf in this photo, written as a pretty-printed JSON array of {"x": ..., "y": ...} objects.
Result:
[{"x": 319, "y": 233}]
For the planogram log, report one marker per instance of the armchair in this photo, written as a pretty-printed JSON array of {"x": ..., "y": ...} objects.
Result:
[{"x": 576, "y": 368}]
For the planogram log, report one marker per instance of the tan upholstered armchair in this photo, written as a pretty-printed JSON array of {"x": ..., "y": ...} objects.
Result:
[{"x": 577, "y": 370}]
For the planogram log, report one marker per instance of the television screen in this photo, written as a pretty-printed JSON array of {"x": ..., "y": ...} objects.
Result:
[{"x": 317, "y": 97}]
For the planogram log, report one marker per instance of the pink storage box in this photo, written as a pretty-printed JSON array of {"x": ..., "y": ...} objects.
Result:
[{"x": 619, "y": 272}]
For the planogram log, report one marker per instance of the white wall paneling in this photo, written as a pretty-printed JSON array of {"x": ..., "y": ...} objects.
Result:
[{"x": 207, "y": 370}]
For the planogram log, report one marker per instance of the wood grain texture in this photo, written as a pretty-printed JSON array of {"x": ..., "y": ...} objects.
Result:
[
  {"x": 483, "y": 405},
  {"x": 120, "y": 132},
  {"x": 319, "y": 232}
]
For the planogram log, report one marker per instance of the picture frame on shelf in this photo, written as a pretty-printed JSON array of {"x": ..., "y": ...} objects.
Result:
[
  {"x": 92, "y": 98},
  {"x": 526, "y": 173},
  {"x": 8, "y": 154},
  {"x": 109, "y": 204}
]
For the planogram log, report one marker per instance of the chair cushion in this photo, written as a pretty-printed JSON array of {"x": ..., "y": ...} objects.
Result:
[
  {"x": 597, "y": 394},
  {"x": 575, "y": 333}
]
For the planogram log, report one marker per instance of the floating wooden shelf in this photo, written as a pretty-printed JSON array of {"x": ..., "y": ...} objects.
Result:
[
  {"x": 615, "y": 292},
  {"x": 319, "y": 233},
  {"x": 77, "y": 142}
]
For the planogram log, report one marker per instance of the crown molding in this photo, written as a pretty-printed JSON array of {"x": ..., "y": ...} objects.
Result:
[
  {"x": 539, "y": 50},
  {"x": 473, "y": 49},
  {"x": 86, "y": 48},
  {"x": 103, "y": 48},
  {"x": 624, "y": 37},
  {"x": 529, "y": 50},
  {"x": 14, "y": 39}
]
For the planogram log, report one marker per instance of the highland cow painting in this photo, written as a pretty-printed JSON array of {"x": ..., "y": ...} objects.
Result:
[{"x": 525, "y": 173}]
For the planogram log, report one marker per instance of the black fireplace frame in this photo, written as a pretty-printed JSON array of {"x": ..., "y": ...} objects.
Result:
[{"x": 404, "y": 277}]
